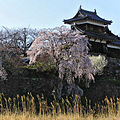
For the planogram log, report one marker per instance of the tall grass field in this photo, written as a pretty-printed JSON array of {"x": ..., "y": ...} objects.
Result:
[{"x": 38, "y": 108}]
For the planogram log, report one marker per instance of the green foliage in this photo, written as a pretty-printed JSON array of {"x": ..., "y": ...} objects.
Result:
[
  {"x": 42, "y": 66},
  {"x": 111, "y": 80},
  {"x": 99, "y": 62},
  {"x": 11, "y": 68}
]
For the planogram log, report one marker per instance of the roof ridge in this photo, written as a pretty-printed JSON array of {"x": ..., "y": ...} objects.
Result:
[{"x": 87, "y": 11}]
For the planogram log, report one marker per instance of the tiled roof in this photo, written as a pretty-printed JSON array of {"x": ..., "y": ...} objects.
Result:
[
  {"x": 111, "y": 37},
  {"x": 84, "y": 14},
  {"x": 116, "y": 43}
]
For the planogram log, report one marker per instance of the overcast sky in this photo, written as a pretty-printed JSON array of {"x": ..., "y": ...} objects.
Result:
[{"x": 50, "y": 13}]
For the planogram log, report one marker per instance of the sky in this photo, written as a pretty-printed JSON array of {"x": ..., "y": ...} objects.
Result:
[{"x": 51, "y": 13}]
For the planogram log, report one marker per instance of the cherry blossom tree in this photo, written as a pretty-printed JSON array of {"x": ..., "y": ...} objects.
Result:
[
  {"x": 13, "y": 43},
  {"x": 3, "y": 73},
  {"x": 69, "y": 51}
]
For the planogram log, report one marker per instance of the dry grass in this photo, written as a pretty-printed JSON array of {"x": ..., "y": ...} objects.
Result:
[
  {"x": 28, "y": 116},
  {"x": 24, "y": 108}
]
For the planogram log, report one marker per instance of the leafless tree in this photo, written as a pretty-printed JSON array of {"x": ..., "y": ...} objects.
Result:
[{"x": 18, "y": 40}]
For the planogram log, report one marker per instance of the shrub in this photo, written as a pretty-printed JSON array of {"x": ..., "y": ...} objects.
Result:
[{"x": 99, "y": 62}]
